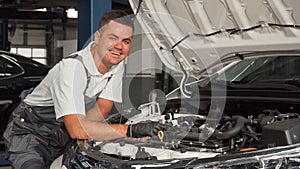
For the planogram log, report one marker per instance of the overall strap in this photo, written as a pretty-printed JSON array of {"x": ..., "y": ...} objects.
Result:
[{"x": 78, "y": 57}]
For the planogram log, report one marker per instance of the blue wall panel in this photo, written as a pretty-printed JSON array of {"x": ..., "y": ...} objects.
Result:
[{"x": 89, "y": 14}]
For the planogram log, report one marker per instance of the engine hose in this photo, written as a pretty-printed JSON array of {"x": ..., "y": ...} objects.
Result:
[
  {"x": 191, "y": 136},
  {"x": 240, "y": 123}
]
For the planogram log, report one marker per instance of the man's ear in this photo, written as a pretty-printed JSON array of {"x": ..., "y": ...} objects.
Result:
[{"x": 96, "y": 37}]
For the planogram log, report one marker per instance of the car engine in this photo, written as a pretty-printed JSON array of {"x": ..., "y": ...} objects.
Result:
[
  {"x": 193, "y": 135},
  {"x": 201, "y": 138}
]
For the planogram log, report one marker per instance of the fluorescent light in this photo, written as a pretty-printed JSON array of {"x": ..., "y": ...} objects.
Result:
[
  {"x": 41, "y": 9},
  {"x": 72, "y": 13}
]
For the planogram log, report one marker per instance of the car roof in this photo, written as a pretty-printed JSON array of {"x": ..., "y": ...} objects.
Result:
[{"x": 21, "y": 59}]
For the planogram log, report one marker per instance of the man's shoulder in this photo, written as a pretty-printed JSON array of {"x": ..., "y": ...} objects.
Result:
[{"x": 69, "y": 65}]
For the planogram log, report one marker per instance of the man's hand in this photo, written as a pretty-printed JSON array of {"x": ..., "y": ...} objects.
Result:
[{"x": 146, "y": 129}]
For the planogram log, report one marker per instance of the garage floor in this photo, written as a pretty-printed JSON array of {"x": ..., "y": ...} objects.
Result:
[{"x": 3, "y": 162}]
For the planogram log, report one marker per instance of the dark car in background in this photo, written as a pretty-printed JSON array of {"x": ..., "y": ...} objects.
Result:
[{"x": 17, "y": 73}]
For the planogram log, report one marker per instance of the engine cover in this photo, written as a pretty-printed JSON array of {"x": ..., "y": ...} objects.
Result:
[{"x": 281, "y": 133}]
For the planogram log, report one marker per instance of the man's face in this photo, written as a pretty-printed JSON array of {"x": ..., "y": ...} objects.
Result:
[{"x": 113, "y": 43}]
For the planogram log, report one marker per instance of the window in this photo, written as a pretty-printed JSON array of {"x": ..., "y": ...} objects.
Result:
[
  {"x": 265, "y": 69},
  {"x": 9, "y": 69},
  {"x": 37, "y": 54}
]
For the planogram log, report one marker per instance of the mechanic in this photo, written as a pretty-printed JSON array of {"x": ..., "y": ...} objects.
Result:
[{"x": 72, "y": 100}]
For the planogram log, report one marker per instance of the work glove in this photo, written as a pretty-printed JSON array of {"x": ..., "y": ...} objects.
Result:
[{"x": 143, "y": 129}]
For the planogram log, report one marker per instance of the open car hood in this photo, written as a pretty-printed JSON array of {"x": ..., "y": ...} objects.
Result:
[{"x": 193, "y": 35}]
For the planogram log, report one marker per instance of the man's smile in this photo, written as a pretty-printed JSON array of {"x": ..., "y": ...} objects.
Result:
[{"x": 116, "y": 53}]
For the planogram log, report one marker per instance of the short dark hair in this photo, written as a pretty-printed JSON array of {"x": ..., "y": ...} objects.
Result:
[{"x": 119, "y": 16}]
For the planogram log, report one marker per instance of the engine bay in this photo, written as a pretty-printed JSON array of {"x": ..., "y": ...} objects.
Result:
[
  {"x": 193, "y": 135},
  {"x": 202, "y": 136}
]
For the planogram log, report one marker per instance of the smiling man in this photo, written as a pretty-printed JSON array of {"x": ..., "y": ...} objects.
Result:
[{"x": 73, "y": 99}]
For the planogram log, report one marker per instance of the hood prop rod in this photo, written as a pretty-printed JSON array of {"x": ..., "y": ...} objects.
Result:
[
  {"x": 186, "y": 93},
  {"x": 186, "y": 73}
]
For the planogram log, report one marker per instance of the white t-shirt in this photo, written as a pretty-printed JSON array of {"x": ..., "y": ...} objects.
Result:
[{"x": 65, "y": 85}]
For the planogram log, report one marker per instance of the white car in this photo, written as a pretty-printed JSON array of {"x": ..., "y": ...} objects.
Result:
[{"x": 238, "y": 102}]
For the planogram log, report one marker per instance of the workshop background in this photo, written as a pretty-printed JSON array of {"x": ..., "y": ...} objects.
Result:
[{"x": 48, "y": 30}]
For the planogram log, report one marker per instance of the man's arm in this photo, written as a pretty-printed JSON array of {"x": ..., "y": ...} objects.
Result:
[
  {"x": 80, "y": 127},
  {"x": 100, "y": 110},
  {"x": 90, "y": 127},
  {"x": 85, "y": 127}
]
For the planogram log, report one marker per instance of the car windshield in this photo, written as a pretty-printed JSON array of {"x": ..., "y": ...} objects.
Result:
[
  {"x": 264, "y": 70},
  {"x": 8, "y": 68}
]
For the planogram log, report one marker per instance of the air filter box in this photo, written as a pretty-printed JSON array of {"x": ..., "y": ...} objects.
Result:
[{"x": 281, "y": 133}]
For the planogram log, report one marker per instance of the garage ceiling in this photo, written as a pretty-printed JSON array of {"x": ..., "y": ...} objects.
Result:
[
  {"x": 20, "y": 9},
  {"x": 35, "y": 4}
]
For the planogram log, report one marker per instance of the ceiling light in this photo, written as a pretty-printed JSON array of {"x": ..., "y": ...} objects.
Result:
[{"x": 72, "y": 13}]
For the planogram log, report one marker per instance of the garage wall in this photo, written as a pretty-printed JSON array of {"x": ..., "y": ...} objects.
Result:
[{"x": 42, "y": 34}]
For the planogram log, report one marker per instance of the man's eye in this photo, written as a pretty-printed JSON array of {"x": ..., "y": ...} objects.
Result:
[
  {"x": 112, "y": 38},
  {"x": 127, "y": 42}
]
